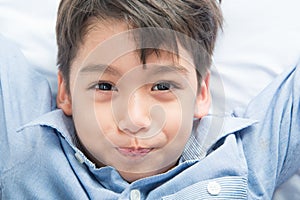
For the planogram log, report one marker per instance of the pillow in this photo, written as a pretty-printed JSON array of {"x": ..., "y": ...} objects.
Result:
[
  {"x": 31, "y": 25},
  {"x": 260, "y": 40}
]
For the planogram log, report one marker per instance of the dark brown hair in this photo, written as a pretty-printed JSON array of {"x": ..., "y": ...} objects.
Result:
[{"x": 197, "y": 19}]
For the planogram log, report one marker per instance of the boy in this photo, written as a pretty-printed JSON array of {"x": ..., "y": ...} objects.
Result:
[{"x": 133, "y": 97}]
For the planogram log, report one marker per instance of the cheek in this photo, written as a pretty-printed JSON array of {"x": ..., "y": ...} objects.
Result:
[
  {"x": 91, "y": 120},
  {"x": 179, "y": 120},
  {"x": 104, "y": 117},
  {"x": 107, "y": 125},
  {"x": 85, "y": 122},
  {"x": 95, "y": 128}
]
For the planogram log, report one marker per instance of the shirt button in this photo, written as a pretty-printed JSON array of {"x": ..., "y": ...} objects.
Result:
[
  {"x": 79, "y": 158},
  {"x": 213, "y": 188},
  {"x": 135, "y": 195}
]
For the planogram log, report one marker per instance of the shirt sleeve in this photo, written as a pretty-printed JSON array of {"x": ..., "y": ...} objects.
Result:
[
  {"x": 24, "y": 95},
  {"x": 272, "y": 146}
]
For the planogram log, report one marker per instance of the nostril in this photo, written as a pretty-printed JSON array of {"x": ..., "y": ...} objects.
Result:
[{"x": 133, "y": 127}]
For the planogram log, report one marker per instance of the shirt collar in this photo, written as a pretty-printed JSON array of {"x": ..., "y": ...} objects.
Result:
[
  {"x": 56, "y": 120},
  {"x": 206, "y": 132}
]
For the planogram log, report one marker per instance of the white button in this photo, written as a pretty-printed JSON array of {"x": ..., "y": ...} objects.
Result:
[
  {"x": 79, "y": 157},
  {"x": 135, "y": 195},
  {"x": 214, "y": 188}
]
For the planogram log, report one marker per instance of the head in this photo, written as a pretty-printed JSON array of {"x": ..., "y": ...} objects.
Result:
[{"x": 134, "y": 75}]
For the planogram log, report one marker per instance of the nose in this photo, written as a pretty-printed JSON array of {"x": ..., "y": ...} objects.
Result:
[{"x": 136, "y": 117}]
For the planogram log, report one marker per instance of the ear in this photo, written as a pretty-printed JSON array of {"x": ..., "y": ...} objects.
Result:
[
  {"x": 203, "y": 99},
  {"x": 63, "y": 99}
]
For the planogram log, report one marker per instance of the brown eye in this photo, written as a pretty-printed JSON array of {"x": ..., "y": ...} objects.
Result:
[
  {"x": 162, "y": 86},
  {"x": 105, "y": 87}
]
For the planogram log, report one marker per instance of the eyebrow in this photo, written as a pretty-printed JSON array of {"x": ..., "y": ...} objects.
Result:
[
  {"x": 155, "y": 70},
  {"x": 160, "y": 69},
  {"x": 100, "y": 68}
]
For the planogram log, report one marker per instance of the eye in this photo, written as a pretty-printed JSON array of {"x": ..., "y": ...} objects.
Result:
[
  {"x": 105, "y": 86},
  {"x": 162, "y": 86}
]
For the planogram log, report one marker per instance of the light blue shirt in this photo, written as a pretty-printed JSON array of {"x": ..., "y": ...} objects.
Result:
[{"x": 226, "y": 157}]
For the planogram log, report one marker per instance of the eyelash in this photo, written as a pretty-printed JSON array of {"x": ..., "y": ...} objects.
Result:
[
  {"x": 104, "y": 86},
  {"x": 165, "y": 86}
]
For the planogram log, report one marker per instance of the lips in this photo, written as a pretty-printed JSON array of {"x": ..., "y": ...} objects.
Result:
[{"x": 134, "y": 152}]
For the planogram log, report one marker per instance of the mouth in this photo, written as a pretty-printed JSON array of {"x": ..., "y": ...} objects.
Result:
[{"x": 134, "y": 152}]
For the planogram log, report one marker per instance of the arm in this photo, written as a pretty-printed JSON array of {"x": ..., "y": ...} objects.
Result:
[
  {"x": 272, "y": 146},
  {"x": 24, "y": 95}
]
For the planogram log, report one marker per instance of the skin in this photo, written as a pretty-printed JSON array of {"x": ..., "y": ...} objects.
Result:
[{"x": 134, "y": 118}]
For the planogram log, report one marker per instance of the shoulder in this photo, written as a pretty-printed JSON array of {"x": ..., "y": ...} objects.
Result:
[{"x": 36, "y": 166}]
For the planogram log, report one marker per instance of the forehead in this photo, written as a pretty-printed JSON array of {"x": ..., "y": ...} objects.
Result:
[
  {"x": 115, "y": 34},
  {"x": 111, "y": 41}
]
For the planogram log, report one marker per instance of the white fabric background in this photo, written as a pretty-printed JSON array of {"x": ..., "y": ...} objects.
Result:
[{"x": 31, "y": 25}]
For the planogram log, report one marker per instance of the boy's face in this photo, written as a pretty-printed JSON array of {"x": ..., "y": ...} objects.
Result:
[{"x": 135, "y": 118}]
